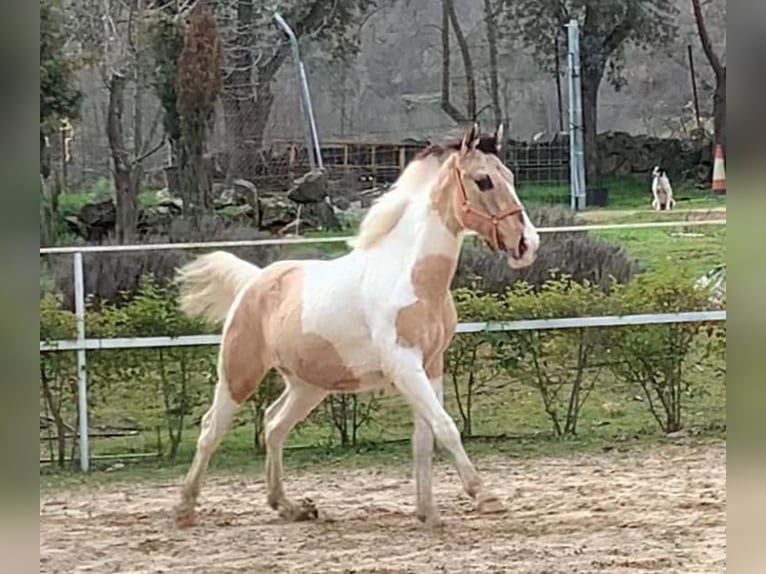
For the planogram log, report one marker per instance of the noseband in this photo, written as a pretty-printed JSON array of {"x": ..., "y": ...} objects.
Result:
[{"x": 493, "y": 218}]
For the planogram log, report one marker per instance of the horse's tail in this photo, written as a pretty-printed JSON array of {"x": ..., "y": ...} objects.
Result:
[{"x": 210, "y": 283}]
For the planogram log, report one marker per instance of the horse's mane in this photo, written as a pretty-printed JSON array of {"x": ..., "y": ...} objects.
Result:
[
  {"x": 487, "y": 144},
  {"x": 386, "y": 212}
]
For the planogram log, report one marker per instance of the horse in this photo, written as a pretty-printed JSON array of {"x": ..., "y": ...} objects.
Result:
[
  {"x": 662, "y": 192},
  {"x": 378, "y": 317}
]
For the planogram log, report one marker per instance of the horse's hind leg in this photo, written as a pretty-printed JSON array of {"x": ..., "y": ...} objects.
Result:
[
  {"x": 295, "y": 404},
  {"x": 215, "y": 422},
  {"x": 240, "y": 370}
]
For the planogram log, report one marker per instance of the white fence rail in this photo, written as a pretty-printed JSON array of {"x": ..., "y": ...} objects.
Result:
[
  {"x": 304, "y": 240},
  {"x": 81, "y": 345}
]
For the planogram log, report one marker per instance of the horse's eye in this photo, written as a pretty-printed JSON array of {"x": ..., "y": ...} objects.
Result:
[{"x": 484, "y": 183}]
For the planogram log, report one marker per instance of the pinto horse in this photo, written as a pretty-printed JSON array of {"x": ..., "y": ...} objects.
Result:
[{"x": 378, "y": 316}]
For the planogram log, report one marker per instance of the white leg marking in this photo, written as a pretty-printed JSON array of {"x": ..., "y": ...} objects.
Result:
[
  {"x": 297, "y": 401},
  {"x": 214, "y": 424},
  {"x": 422, "y": 455},
  {"x": 405, "y": 365}
]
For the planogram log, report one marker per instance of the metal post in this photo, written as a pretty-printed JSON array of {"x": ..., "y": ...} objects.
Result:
[
  {"x": 312, "y": 139},
  {"x": 82, "y": 372},
  {"x": 576, "y": 141}
]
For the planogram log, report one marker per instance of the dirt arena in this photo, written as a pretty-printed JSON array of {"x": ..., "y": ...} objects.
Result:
[{"x": 641, "y": 511}]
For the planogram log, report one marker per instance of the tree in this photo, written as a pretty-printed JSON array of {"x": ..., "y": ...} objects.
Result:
[
  {"x": 59, "y": 99},
  {"x": 255, "y": 50},
  {"x": 450, "y": 20},
  {"x": 606, "y": 28},
  {"x": 113, "y": 37},
  {"x": 166, "y": 31},
  {"x": 719, "y": 70},
  {"x": 59, "y": 96},
  {"x": 198, "y": 87}
]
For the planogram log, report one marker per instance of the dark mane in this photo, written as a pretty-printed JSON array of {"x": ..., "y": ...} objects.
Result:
[{"x": 487, "y": 144}]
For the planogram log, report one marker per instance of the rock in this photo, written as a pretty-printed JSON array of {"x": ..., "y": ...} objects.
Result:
[
  {"x": 275, "y": 212},
  {"x": 166, "y": 200},
  {"x": 240, "y": 192},
  {"x": 342, "y": 203},
  {"x": 310, "y": 188},
  {"x": 320, "y": 216},
  {"x": 239, "y": 212},
  {"x": 97, "y": 220}
]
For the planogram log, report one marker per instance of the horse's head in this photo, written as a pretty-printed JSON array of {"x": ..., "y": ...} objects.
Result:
[{"x": 485, "y": 199}]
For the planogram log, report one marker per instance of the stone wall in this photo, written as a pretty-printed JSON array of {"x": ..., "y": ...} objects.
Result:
[{"x": 622, "y": 154}]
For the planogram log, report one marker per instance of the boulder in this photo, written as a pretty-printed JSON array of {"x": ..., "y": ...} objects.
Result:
[
  {"x": 275, "y": 212},
  {"x": 240, "y": 192},
  {"x": 97, "y": 220},
  {"x": 310, "y": 188},
  {"x": 167, "y": 202},
  {"x": 320, "y": 216}
]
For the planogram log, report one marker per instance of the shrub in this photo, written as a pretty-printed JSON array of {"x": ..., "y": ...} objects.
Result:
[
  {"x": 469, "y": 362},
  {"x": 656, "y": 357},
  {"x": 576, "y": 255},
  {"x": 562, "y": 365},
  {"x": 348, "y": 413}
]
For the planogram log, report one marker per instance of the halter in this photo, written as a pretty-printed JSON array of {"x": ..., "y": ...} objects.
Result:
[{"x": 494, "y": 219}]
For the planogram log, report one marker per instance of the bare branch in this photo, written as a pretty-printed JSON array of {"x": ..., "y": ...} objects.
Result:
[{"x": 150, "y": 152}]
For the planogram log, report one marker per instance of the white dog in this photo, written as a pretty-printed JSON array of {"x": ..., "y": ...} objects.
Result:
[{"x": 661, "y": 190}]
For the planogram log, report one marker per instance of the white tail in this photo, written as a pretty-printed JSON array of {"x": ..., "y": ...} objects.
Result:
[{"x": 210, "y": 283}]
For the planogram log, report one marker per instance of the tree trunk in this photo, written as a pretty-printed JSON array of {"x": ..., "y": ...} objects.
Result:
[
  {"x": 590, "y": 79},
  {"x": 196, "y": 180},
  {"x": 719, "y": 110},
  {"x": 470, "y": 76},
  {"x": 126, "y": 182},
  {"x": 494, "y": 88},
  {"x": 447, "y": 106},
  {"x": 719, "y": 97}
]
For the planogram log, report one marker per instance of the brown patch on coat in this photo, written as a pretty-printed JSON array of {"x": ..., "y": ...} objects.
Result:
[
  {"x": 442, "y": 200},
  {"x": 429, "y": 323},
  {"x": 266, "y": 331}
]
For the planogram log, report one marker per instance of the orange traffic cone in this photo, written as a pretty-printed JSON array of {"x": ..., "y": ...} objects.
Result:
[{"x": 719, "y": 173}]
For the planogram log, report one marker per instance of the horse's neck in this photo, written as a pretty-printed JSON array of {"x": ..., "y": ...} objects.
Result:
[{"x": 421, "y": 241}]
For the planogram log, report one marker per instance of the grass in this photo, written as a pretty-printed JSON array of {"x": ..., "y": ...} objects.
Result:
[
  {"x": 624, "y": 193},
  {"x": 695, "y": 253}
]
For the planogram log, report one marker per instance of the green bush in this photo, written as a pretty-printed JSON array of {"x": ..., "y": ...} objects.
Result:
[
  {"x": 163, "y": 392},
  {"x": 657, "y": 358}
]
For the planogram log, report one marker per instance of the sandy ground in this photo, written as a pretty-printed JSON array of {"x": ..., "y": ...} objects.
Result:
[{"x": 641, "y": 511}]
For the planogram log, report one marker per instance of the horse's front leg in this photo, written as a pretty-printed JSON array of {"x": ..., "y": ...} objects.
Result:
[
  {"x": 412, "y": 382},
  {"x": 422, "y": 458}
]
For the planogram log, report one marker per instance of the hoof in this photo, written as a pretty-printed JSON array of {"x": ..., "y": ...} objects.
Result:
[
  {"x": 489, "y": 503},
  {"x": 185, "y": 516},
  {"x": 432, "y": 520},
  {"x": 300, "y": 512}
]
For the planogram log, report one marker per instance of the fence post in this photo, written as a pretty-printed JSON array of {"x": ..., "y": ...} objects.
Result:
[
  {"x": 82, "y": 371},
  {"x": 576, "y": 142}
]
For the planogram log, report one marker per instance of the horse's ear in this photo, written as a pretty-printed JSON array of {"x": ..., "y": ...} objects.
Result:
[
  {"x": 499, "y": 138},
  {"x": 470, "y": 139}
]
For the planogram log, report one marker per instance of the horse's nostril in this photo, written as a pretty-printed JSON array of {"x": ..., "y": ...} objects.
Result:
[{"x": 522, "y": 247}]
